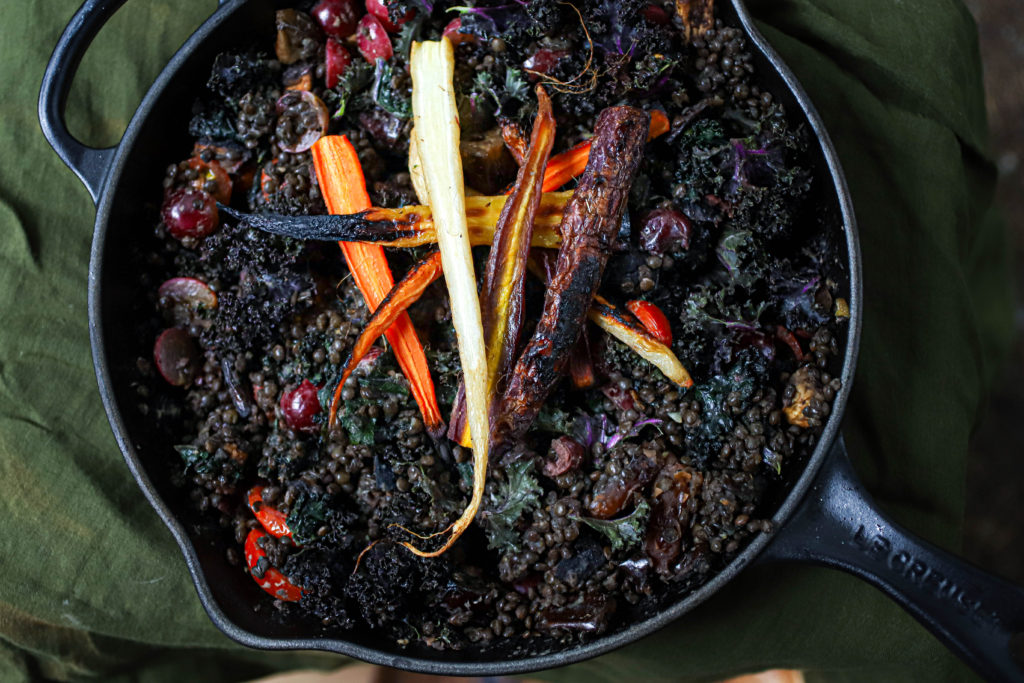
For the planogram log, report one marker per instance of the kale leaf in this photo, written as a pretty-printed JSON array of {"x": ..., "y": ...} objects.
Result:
[
  {"x": 307, "y": 515},
  {"x": 196, "y": 459},
  {"x": 624, "y": 532},
  {"x": 518, "y": 494},
  {"x": 749, "y": 373},
  {"x": 385, "y": 96}
]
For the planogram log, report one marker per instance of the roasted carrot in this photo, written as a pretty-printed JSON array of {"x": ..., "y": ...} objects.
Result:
[
  {"x": 437, "y": 134},
  {"x": 343, "y": 187},
  {"x": 631, "y": 332},
  {"x": 394, "y": 305},
  {"x": 410, "y": 226},
  {"x": 565, "y": 166},
  {"x": 501, "y": 296}
]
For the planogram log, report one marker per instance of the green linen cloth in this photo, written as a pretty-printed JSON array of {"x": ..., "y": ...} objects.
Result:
[{"x": 92, "y": 582}]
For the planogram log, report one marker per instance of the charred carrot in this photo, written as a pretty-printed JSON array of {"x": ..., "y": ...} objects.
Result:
[
  {"x": 631, "y": 332},
  {"x": 581, "y": 365},
  {"x": 515, "y": 141},
  {"x": 622, "y": 325},
  {"x": 789, "y": 339},
  {"x": 437, "y": 134},
  {"x": 501, "y": 297},
  {"x": 343, "y": 187},
  {"x": 410, "y": 226},
  {"x": 401, "y": 296},
  {"x": 565, "y": 166}
]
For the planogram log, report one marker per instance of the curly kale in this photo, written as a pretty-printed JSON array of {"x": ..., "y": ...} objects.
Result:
[
  {"x": 236, "y": 73},
  {"x": 323, "y": 567},
  {"x": 308, "y": 514},
  {"x": 518, "y": 494},
  {"x": 624, "y": 532},
  {"x": 265, "y": 281},
  {"x": 392, "y": 584},
  {"x": 745, "y": 175},
  {"x": 212, "y": 121},
  {"x": 722, "y": 396}
]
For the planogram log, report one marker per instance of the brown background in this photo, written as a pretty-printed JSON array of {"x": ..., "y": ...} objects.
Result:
[{"x": 994, "y": 532}]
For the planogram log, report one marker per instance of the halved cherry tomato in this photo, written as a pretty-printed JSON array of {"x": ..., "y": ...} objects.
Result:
[
  {"x": 272, "y": 519},
  {"x": 269, "y": 579},
  {"x": 653, "y": 319},
  {"x": 212, "y": 172}
]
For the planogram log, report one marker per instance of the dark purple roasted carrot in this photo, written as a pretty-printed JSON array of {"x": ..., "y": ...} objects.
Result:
[
  {"x": 501, "y": 296},
  {"x": 621, "y": 324},
  {"x": 402, "y": 295},
  {"x": 589, "y": 228}
]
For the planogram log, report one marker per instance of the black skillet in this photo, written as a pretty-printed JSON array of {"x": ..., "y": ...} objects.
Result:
[{"x": 826, "y": 518}]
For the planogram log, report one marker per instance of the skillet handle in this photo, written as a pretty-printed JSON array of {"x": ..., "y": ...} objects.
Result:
[
  {"x": 89, "y": 163},
  {"x": 977, "y": 615}
]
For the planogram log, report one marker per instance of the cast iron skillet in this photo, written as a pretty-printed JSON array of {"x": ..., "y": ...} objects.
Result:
[{"x": 826, "y": 517}]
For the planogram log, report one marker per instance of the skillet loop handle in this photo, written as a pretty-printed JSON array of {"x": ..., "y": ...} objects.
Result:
[
  {"x": 89, "y": 163},
  {"x": 978, "y": 615}
]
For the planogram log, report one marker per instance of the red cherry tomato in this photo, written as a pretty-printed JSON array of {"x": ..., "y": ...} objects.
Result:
[
  {"x": 300, "y": 405},
  {"x": 268, "y": 578},
  {"x": 372, "y": 40},
  {"x": 379, "y": 9},
  {"x": 653, "y": 319},
  {"x": 337, "y": 61},
  {"x": 272, "y": 519},
  {"x": 338, "y": 18}
]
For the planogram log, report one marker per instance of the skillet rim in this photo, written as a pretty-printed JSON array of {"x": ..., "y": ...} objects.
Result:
[{"x": 560, "y": 658}]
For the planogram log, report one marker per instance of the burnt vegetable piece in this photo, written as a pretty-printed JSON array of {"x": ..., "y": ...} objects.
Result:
[
  {"x": 401, "y": 296},
  {"x": 589, "y": 227},
  {"x": 410, "y": 226},
  {"x": 636, "y": 336},
  {"x": 501, "y": 297}
]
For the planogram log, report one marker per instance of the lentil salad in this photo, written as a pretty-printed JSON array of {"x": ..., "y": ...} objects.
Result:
[{"x": 721, "y": 241}]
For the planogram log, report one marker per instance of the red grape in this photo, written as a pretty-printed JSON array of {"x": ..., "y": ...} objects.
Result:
[
  {"x": 182, "y": 298},
  {"x": 338, "y": 18},
  {"x": 544, "y": 60},
  {"x": 665, "y": 231},
  {"x": 176, "y": 356},
  {"x": 338, "y": 59},
  {"x": 188, "y": 212},
  {"x": 373, "y": 40},
  {"x": 300, "y": 405},
  {"x": 379, "y": 9},
  {"x": 655, "y": 14}
]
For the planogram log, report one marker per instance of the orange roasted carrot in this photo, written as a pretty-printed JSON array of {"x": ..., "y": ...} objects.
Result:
[
  {"x": 343, "y": 187},
  {"x": 565, "y": 166},
  {"x": 394, "y": 305}
]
